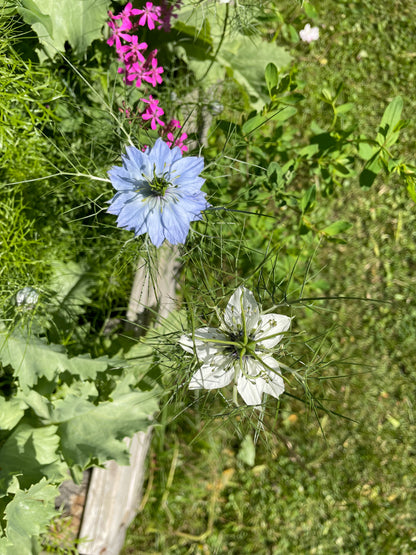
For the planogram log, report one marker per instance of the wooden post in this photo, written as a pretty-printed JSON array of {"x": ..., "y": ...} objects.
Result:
[{"x": 114, "y": 492}]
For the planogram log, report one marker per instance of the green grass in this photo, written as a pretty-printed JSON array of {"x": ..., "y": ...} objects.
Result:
[{"x": 333, "y": 486}]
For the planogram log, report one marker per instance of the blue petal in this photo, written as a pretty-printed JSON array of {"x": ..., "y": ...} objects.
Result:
[
  {"x": 188, "y": 167},
  {"x": 190, "y": 184},
  {"x": 176, "y": 223},
  {"x": 159, "y": 156},
  {"x": 155, "y": 228},
  {"x": 119, "y": 178},
  {"x": 119, "y": 200},
  {"x": 135, "y": 156}
]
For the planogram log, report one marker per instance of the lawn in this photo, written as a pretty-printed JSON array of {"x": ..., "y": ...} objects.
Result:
[{"x": 319, "y": 483}]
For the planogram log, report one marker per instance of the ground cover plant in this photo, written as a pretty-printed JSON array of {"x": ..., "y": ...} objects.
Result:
[{"x": 280, "y": 387}]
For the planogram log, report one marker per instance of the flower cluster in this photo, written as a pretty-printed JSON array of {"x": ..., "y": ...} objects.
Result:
[
  {"x": 240, "y": 350},
  {"x": 140, "y": 67},
  {"x": 158, "y": 192}
]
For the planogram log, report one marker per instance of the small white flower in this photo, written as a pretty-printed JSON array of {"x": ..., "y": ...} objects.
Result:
[
  {"x": 309, "y": 34},
  {"x": 27, "y": 298},
  {"x": 239, "y": 350}
]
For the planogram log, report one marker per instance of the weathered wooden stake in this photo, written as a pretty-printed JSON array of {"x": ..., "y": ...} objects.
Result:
[{"x": 114, "y": 492}]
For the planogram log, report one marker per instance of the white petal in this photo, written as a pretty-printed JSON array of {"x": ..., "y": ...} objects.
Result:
[
  {"x": 204, "y": 350},
  {"x": 273, "y": 381},
  {"x": 242, "y": 304},
  {"x": 217, "y": 373},
  {"x": 268, "y": 332},
  {"x": 250, "y": 385}
]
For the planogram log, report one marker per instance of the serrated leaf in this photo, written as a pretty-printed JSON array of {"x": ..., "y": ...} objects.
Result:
[
  {"x": 33, "y": 453},
  {"x": 11, "y": 411},
  {"x": 31, "y": 358},
  {"x": 90, "y": 431},
  {"x": 77, "y": 21},
  {"x": 28, "y": 516}
]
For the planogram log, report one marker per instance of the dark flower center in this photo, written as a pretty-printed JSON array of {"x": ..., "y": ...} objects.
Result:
[
  {"x": 248, "y": 346},
  {"x": 159, "y": 184}
]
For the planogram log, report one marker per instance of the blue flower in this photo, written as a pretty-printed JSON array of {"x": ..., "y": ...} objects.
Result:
[{"x": 158, "y": 192}]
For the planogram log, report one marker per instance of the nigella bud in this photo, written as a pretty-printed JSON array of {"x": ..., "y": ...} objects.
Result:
[{"x": 27, "y": 298}]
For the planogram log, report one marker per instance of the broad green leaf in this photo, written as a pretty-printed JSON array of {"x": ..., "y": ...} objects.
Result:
[
  {"x": 31, "y": 358},
  {"x": 241, "y": 58},
  {"x": 77, "y": 21},
  {"x": 11, "y": 411},
  {"x": 389, "y": 127},
  {"x": 95, "y": 431},
  {"x": 28, "y": 516},
  {"x": 337, "y": 227},
  {"x": 33, "y": 453}
]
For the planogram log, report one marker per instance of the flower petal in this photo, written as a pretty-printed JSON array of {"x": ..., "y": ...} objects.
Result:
[
  {"x": 273, "y": 381},
  {"x": 242, "y": 304},
  {"x": 217, "y": 373},
  {"x": 268, "y": 333},
  {"x": 249, "y": 384},
  {"x": 203, "y": 349}
]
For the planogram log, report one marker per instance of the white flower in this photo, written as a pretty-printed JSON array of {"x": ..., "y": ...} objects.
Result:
[
  {"x": 239, "y": 350},
  {"x": 27, "y": 298},
  {"x": 309, "y": 34}
]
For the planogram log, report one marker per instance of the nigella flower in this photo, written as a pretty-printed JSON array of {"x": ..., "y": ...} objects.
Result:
[
  {"x": 240, "y": 350},
  {"x": 309, "y": 34},
  {"x": 158, "y": 192}
]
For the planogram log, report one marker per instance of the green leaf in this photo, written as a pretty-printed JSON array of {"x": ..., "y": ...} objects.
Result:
[
  {"x": 77, "y": 21},
  {"x": 257, "y": 121},
  {"x": 11, "y": 411},
  {"x": 28, "y": 516},
  {"x": 337, "y": 227},
  {"x": 272, "y": 76},
  {"x": 90, "y": 431},
  {"x": 344, "y": 108},
  {"x": 32, "y": 452},
  {"x": 247, "y": 451},
  {"x": 390, "y": 123},
  {"x": 310, "y": 10},
  {"x": 31, "y": 358},
  {"x": 308, "y": 199}
]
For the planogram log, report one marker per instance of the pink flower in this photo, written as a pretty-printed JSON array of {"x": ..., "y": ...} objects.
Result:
[
  {"x": 125, "y": 14},
  {"x": 134, "y": 72},
  {"x": 166, "y": 14},
  {"x": 150, "y": 15},
  {"x": 130, "y": 53},
  {"x": 152, "y": 75},
  {"x": 118, "y": 34},
  {"x": 171, "y": 140},
  {"x": 177, "y": 142},
  {"x": 152, "y": 112}
]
